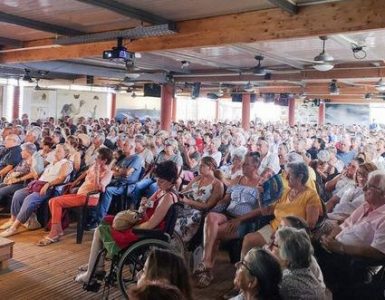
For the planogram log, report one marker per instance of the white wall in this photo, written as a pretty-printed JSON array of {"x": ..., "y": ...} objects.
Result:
[{"x": 46, "y": 103}]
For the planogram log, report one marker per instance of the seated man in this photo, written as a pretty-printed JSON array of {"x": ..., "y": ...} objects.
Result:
[
  {"x": 126, "y": 172},
  {"x": 12, "y": 155},
  {"x": 361, "y": 235}
]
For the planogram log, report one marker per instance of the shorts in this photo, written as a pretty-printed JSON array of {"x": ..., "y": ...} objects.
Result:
[{"x": 266, "y": 232}]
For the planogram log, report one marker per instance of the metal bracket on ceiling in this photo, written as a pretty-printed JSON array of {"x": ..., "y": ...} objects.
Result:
[{"x": 132, "y": 34}]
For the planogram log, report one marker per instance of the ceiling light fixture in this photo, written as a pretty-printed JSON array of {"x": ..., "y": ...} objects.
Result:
[
  {"x": 249, "y": 87},
  {"x": 333, "y": 88},
  {"x": 323, "y": 61},
  {"x": 380, "y": 86},
  {"x": 368, "y": 96},
  {"x": 323, "y": 67},
  {"x": 184, "y": 64}
]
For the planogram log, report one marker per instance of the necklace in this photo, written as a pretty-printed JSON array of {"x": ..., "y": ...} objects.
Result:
[{"x": 293, "y": 194}]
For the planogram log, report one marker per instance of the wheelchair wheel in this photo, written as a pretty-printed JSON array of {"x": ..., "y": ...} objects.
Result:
[{"x": 132, "y": 262}]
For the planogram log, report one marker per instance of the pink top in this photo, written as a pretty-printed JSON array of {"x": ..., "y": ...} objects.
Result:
[
  {"x": 90, "y": 183},
  {"x": 364, "y": 228}
]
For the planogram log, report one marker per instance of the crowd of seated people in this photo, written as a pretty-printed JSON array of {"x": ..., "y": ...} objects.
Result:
[{"x": 329, "y": 176}]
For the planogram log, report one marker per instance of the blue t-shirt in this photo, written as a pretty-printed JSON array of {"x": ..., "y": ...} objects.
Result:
[
  {"x": 134, "y": 161},
  {"x": 346, "y": 157},
  {"x": 12, "y": 156}
]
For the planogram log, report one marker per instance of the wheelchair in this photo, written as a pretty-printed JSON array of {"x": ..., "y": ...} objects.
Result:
[{"x": 126, "y": 265}]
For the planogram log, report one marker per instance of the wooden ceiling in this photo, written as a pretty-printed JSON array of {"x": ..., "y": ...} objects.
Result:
[{"x": 219, "y": 39}]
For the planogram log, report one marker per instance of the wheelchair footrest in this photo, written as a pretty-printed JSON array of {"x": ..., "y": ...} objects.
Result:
[{"x": 92, "y": 286}]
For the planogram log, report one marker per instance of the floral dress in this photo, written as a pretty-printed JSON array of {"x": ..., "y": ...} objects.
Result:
[{"x": 188, "y": 223}]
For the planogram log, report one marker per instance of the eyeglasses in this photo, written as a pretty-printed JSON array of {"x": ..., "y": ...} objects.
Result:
[
  {"x": 368, "y": 186},
  {"x": 243, "y": 263}
]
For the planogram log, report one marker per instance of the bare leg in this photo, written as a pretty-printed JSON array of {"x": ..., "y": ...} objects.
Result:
[
  {"x": 212, "y": 222},
  {"x": 96, "y": 246},
  {"x": 251, "y": 240}
]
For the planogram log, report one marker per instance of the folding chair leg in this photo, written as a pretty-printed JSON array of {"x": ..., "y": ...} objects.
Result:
[{"x": 80, "y": 227}]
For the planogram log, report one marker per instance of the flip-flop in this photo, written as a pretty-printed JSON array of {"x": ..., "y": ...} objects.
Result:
[{"x": 48, "y": 241}]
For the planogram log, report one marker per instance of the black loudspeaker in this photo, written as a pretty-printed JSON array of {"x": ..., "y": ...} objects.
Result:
[
  {"x": 151, "y": 90},
  {"x": 237, "y": 97},
  {"x": 283, "y": 99},
  {"x": 90, "y": 79},
  {"x": 196, "y": 89}
]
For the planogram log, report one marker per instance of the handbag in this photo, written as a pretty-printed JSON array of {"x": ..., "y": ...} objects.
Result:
[
  {"x": 35, "y": 186},
  {"x": 126, "y": 219}
]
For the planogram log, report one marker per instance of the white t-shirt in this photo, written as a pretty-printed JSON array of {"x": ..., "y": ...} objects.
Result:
[{"x": 270, "y": 161}]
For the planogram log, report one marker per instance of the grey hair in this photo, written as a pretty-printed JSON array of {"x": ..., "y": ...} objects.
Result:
[
  {"x": 29, "y": 147},
  {"x": 101, "y": 137},
  {"x": 217, "y": 142},
  {"x": 139, "y": 138},
  {"x": 293, "y": 157},
  {"x": 379, "y": 176},
  {"x": 295, "y": 247},
  {"x": 36, "y": 131},
  {"x": 300, "y": 170}
]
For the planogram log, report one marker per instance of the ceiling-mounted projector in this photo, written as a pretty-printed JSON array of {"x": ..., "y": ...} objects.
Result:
[{"x": 119, "y": 52}]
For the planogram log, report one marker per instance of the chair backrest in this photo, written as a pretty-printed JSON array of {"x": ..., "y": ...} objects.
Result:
[{"x": 171, "y": 217}]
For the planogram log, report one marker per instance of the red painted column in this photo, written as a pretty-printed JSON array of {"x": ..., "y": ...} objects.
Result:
[
  {"x": 113, "y": 105},
  {"x": 174, "y": 109},
  {"x": 291, "y": 111},
  {"x": 246, "y": 111},
  {"x": 217, "y": 111},
  {"x": 167, "y": 96},
  {"x": 16, "y": 102},
  {"x": 321, "y": 113}
]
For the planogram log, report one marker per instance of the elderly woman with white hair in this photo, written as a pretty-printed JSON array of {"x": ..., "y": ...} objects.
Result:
[
  {"x": 29, "y": 168},
  {"x": 212, "y": 150},
  {"x": 296, "y": 255},
  {"x": 26, "y": 200}
]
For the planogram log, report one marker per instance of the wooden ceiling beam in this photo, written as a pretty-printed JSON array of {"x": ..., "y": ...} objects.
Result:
[{"x": 248, "y": 27}]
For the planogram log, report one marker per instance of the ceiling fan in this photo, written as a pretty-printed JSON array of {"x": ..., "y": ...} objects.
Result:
[
  {"x": 323, "y": 61},
  {"x": 260, "y": 70}
]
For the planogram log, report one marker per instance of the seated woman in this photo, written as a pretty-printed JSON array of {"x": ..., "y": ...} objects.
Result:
[
  {"x": 25, "y": 201},
  {"x": 46, "y": 151},
  {"x": 30, "y": 167},
  {"x": 241, "y": 198},
  {"x": 201, "y": 194},
  {"x": 341, "y": 208},
  {"x": 298, "y": 200},
  {"x": 231, "y": 172},
  {"x": 98, "y": 177},
  {"x": 258, "y": 276},
  {"x": 74, "y": 153},
  {"x": 166, "y": 267},
  {"x": 155, "y": 211},
  {"x": 296, "y": 255}
]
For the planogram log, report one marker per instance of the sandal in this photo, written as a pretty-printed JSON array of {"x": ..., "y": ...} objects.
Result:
[
  {"x": 201, "y": 268},
  {"x": 48, "y": 241},
  {"x": 204, "y": 279}
]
